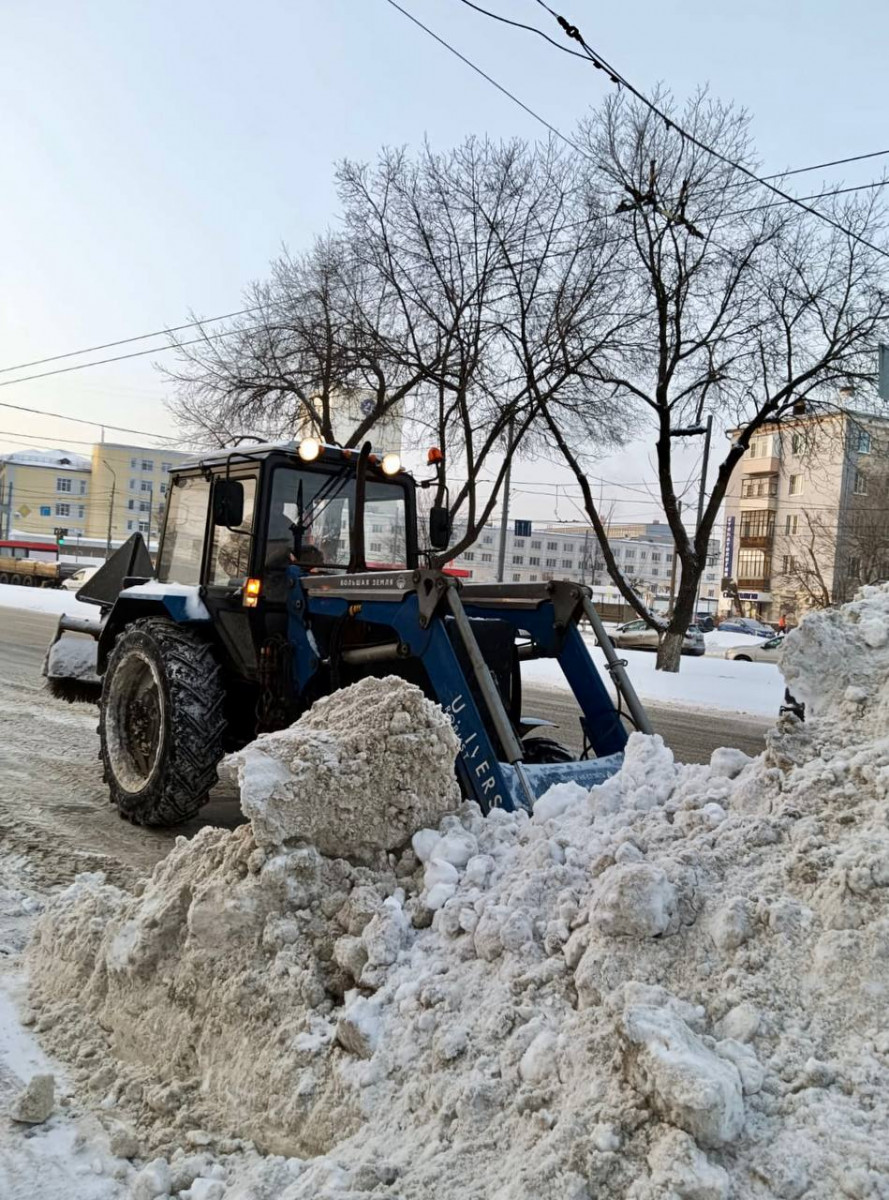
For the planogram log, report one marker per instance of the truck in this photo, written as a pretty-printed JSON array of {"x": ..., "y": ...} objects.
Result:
[
  {"x": 286, "y": 571},
  {"x": 29, "y": 563}
]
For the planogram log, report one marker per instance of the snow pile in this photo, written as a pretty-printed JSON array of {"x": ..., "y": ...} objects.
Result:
[
  {"x": 356, "y": 775},
  {"x": 672, "y": 987}
]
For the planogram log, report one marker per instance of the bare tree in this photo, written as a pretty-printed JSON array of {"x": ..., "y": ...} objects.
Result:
[
  {"x": 494, "y": 252},
  {"x": 321, "y": 327},
  {"x": 735, "y": 307}
]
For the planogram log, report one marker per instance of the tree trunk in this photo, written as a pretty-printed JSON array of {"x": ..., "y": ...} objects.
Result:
[{"x": 669, "y": 650}]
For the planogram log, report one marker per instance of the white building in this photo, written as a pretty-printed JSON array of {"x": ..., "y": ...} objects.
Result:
[{"x": 553, "y": 551}]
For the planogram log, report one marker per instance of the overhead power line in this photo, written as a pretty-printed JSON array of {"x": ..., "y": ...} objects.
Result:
[
  {"x": 601, "y": 64},
  {"x": 101, "y": 362},
  {"x": 40, "y": 412}
]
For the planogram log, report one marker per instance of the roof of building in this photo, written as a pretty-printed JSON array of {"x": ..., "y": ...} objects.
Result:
[{"x": 57, "y": 460}]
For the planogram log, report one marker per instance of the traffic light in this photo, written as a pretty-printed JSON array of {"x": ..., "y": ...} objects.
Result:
[{"x": 61, "y": 533}]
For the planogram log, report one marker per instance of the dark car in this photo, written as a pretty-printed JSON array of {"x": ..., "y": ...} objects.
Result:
[{"x": 747, "y": 625}]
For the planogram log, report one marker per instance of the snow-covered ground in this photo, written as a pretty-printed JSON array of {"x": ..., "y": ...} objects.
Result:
[
  {"x": 706, "y": 682},
  {"x": 47, "y": 600}
]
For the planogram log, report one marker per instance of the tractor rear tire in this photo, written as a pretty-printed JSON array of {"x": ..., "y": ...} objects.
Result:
[{"x": 161, "y": 722}]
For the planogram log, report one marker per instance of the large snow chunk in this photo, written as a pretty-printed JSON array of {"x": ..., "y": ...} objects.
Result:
[
  {"x": 687, "y": 1084},
  {"x": 634, "y": 899},
  {"x": 358, "y": 774}
]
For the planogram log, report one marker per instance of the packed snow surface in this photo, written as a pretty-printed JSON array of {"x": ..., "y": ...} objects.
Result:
[
  {"x": 48, "y": 600},
  {"x": 672, "y": 987},
  {"x": 712, "y": 683}
]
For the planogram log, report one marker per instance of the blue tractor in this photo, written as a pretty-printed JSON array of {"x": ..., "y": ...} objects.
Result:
[{"x": 285, "y": 572}]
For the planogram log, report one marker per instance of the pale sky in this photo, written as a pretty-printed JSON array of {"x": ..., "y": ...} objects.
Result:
[{"x": 158, "y": 155}]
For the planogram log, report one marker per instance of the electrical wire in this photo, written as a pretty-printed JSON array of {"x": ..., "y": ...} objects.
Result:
[{"x": 602, "y": 64}]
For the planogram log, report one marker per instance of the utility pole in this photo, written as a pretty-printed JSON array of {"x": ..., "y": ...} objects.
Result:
[
  {"x": 150, "y": 508},
  {"x": 673, "y": 568},
  {"x": 504, "y": 515},
  {"x": 8, "y": 507},
  {"x": 110, "y": 510},
  {"x": 702, "y": 492}
]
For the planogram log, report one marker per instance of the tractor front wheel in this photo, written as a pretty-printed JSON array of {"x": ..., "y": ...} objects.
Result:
[{"x": 161, "y": 722}]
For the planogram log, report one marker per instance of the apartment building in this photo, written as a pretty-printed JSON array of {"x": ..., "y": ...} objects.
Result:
[
  {"x": 42, "y": 490},
  {"x": 556, "y": 551},
  {"x": 806, "y": 516}
]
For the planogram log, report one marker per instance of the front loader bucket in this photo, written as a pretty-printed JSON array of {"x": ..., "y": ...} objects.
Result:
[
  {"x": 70, "y": 662},
  {"x": 541, "y": 776}
]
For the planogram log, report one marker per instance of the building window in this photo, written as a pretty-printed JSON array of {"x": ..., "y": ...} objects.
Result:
[
  {"x": 551, "y": 562},
  {"x": 82, "y": 486},
  {"x": 533, "y": 578},
  {"x": 860, "y": 488},
  {"x": 63, "y": 485},
  {"x": 518, "y": 558},
  {"x": 643, "y": 554},
  {"x": 537, "y": 545},
  {"x": 376, "y": 546},
  {"x": 655, "y": 571},
  {"x": 469, "y": 556},
  {"x": 568, "y": 547},
  {"x": 757, "y": 523},
  {"x": 516, "y": 577},
  {"x": 166, "y": 468},
  {"x": 796, "y": 485},
  {"x": 63, "y": 510},
  {"x": 760, "y": 485},
  {"x": 147, "y": 464},
  {"x": 373, "y": 528},
  {"x": 487, "y": 540},
  {"x": 134, "y": 466},
  {"x": 791, "y": 524},
  {"x": 131, "y": 525},
  {"x": 630, "y": 552},
  {"x": 519, "y": 543},
  {"x": 144, "y": 506},
  {"x": 754, "y": 564},
  {"x": 711, "y": 592},
  {"x": 163, "y": 487},
  {"x": 552, "y": 545},
  {"x": 796, "y": 443},
  {"x": 81, "y": 511},
  {"x": 863, "y": 442},
  {"x": 146, "y": 485},
  {"x": 134, "y": 483},
  {"x": 143, "y": 527},
  {"x": 566, "y": 562},
  {"x": 534, "y": 561},
  {"x": 788, "y": 564},
  {"x": 487, "y": 557},
  {"x": 655, "y": 557}
]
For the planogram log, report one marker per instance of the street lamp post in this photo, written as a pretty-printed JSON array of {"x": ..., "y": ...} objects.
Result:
[
  {"x": 110, "y": 508},
  {"x": 695, "y": 431}
]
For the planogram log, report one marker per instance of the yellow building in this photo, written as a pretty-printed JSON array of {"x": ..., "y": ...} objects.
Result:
[
  {"x": 130, "y": 487},
  {"x": 42, "y": 490}
]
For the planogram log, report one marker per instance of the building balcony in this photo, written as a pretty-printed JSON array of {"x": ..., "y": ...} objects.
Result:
[
  {"x": 757, "y": 503},
  {"x": 754, "y": 583},
  {"x": 757, "y": 541},
  {"x": 761, "y": 466}
]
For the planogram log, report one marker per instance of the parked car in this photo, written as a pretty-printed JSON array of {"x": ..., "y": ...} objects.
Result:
[
  {"x": 78, "y": 579},
  {"x": 637, "y": 635},
  {"x": 756, "y": 652},
  {"x": 705, "y": 622},
  {"x": 747, "y": 625}
]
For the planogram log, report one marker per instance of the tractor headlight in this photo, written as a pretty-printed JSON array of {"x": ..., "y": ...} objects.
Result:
[
  {"x": 309, "y": 449},
  {"x": 391, "y": 464}
]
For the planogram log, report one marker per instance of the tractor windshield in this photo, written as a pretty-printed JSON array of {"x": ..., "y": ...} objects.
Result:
[{"x": 311, "y": 517}]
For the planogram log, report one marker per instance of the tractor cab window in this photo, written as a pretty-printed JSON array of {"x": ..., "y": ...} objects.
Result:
[
  {"x": 231, "y": 547},
  {"x": 183, "y": 545},
  {"x": 311, "y": 518}
]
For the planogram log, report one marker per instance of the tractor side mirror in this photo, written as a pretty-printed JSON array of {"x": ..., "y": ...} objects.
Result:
[
  {"x": 228, "y": 502},
  {"x": 439, "y": 527}
]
